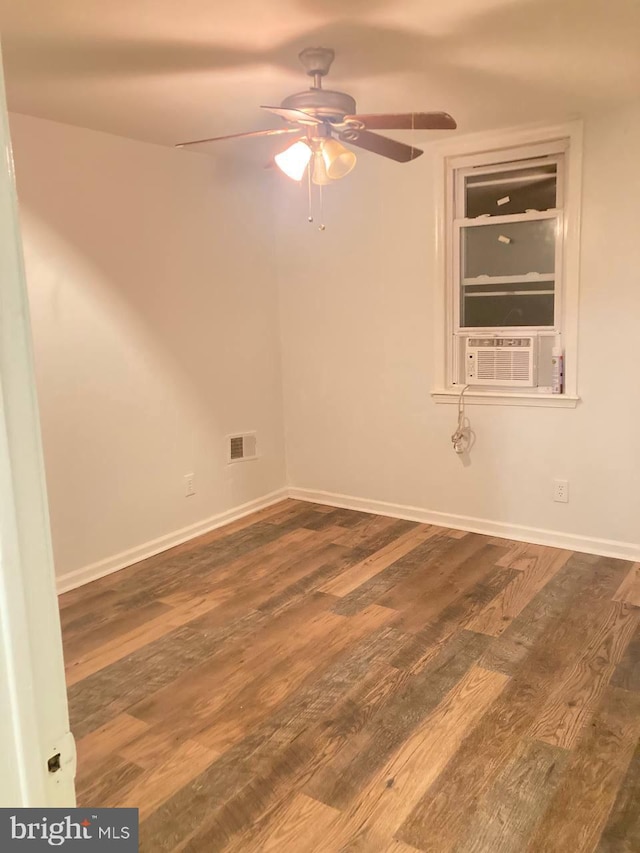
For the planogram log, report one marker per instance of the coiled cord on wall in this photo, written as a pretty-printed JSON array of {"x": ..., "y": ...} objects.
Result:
[{"x": 460, "y": 438}]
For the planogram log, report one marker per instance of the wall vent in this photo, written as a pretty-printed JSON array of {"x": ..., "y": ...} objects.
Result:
[{"x": 242, "y": 447}]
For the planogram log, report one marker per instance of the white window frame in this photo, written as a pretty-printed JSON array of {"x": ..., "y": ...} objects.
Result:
[{"x": 458, "y": 153}]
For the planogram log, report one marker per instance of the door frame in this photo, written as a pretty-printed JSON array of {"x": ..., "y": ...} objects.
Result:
[{"x": 34, "y": 721}]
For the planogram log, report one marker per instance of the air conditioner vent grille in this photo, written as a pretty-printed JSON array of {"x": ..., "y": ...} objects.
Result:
[
  {"x": 236, "y": 447},
  {"x": 497, "y": 364},
  {"x": 500, "y": 361},
  {"x": 241, "y": 447}
]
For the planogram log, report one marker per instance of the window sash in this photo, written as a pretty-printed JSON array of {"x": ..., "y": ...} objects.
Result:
[
  {"x": 457, "y": 288},
  {"x": 460, "y": 173}
]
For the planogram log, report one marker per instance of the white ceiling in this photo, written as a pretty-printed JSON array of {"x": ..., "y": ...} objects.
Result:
[{"x": 171, "y": 70}]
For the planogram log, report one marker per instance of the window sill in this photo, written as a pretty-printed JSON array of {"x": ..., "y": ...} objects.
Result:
[{"x": 505, "y": 398}]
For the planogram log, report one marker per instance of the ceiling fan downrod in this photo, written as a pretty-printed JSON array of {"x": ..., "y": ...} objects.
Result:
[{"x": 316, "y": 61}]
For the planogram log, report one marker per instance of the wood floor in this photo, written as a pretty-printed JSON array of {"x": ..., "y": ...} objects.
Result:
[{"x": 313, "y": 679}]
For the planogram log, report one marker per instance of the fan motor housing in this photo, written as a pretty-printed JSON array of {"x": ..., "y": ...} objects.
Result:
[{"x": 322, "y": 103}]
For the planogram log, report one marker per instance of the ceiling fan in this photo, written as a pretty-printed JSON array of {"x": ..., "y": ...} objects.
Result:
[{"x": 323, "y": 119}]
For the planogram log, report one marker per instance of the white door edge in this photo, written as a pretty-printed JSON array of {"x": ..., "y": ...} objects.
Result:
[{"x": 34, "y": 723}]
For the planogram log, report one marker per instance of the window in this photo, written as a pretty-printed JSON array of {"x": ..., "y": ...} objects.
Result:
[{"x": 509, "y": 217}]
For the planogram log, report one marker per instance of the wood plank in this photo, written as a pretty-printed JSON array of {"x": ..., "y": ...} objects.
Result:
[
  {"x": 98, "y": 748},
  {"x": 150, "y": 789},
  {"x": 629, "y": 589},
  {"x": 79, "y": 645},
  {"x": 119, "y": 612},
  {"x": 276, "y": 513},
  {"x": 339, "y": 781},
  {"x": 315, "y": 506},
  {"x": 218, "y": 678},
  {"x": 254, "y": 777},
  {"x": 572, "y": 701},
  {"x": 382, "y": 538},
  {"x": 433, "y": 598},
  {"x": 536, "y": 569},
  {"x": 324, "y": 566},
  {"x": 354, "y": 576},
  {"x": 432, "y": 567},
  {"x": 390, "y": 587},
  {"x": 307, "y": 570},
  {"x": 151, "y": 746},
  {"x": 74, "y": 605},
  {"x": 125, "y": 643},
  {"x": 104, "y": 694},
  {"x": 580, "y": 808},
  {"x": 172, "y": 574},
  {"x": 101, "y": 789},
  {"x": 502, "y": 542},
  {"x": 622, "y": 831},
  {"x": 423, "y": 645},
  {"x": 257, "y": 564},
  {"x": 301, "y": 827},
  {"x": 388, "y": 798},
  {"x": 524, "y": 556},
  {"x": 285, "y": 752},
  {"x": 627, "y": 673},
  {"x": 254, "y": 701},
  {"x": 359, "y": 534},
  {"x": 457, "y": 534},
  {"x": 507, "y": 652},
  {"x": 512, "y": 809},
  {"x": 322, "y": 520}
]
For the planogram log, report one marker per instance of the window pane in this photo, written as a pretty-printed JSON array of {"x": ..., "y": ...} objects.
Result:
[
  {"x": 516, "y": 248},
  {"x": 508, "y": 310},
  {"x": 514, "y": 191}
]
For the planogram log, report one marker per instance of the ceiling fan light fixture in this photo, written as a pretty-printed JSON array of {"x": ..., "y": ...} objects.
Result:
[
  {"x": 294, "y": 160},
  {"x": 338, "y": 160}
]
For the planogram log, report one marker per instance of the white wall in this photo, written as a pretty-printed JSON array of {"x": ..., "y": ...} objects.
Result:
[
  {"x": 357, "y": 324},
  {"x": 154, "y": 307}
]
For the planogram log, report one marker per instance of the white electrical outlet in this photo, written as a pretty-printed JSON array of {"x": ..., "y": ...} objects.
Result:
[
  {"x": 561, "y": 491},
  {"x": 189, "y": 485}
]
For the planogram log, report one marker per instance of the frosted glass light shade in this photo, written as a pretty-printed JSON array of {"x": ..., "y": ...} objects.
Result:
[
  {"x": 294, "y": 160},
  {"x": 338, "y": 160},
  {"x": 319, "y": 174}
]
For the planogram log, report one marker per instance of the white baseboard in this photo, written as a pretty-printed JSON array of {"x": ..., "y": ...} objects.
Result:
[
  {"x": 535, "y": 535},
  {"x": 71, "y": 580},
  {"x": 557, "y": 539}
]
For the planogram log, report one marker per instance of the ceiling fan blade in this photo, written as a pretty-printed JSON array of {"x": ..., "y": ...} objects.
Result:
[
  {"x": 406, "y": 121},
  {"x": 381, "y": 145},
  {"x": 298, "y": 116},
  {"x": 273, "y": 132}
]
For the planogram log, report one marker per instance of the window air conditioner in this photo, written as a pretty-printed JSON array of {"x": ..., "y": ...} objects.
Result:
[{"x": 501, "y": 361}]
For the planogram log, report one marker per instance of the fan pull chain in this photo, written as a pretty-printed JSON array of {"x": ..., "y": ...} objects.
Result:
[
  {"x": 310, "y": 216},
  {"x": 321, "y": 227}
]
